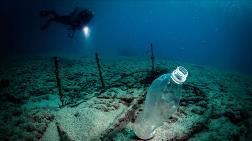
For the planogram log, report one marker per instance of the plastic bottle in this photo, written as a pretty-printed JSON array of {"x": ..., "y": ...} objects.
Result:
[{"x": 161, "y": 102}]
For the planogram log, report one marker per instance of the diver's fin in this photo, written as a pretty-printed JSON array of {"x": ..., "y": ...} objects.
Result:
[
  {"x": 45, "y": 26},
  {"x": 45, "y": 13}
]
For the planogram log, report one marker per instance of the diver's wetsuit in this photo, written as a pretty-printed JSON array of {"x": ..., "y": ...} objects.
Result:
[{"x": 76, "y": 20}]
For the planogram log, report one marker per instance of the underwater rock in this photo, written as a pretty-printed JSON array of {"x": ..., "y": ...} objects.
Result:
[
  {"x": 42, "y": 116},
  {"x": 29, "y": 137},
  {"x": 216, "y": 113},
  {"x": 39, "y": 98},
  {"x": 223, "y": 88},
  {"x": 77, "y": 114},
  {"x": 236, "y": 116},
  {"x": 12, "y": 98},
  {"x": 202, "y": 104},
  {"x": 29, "y": 127},
  {"x": 191, "y": 100},
  {"x": 172, "y": 119},
  {"x": 183, "y": 103},
  {"x": 4, "y": 83},
  {"x": 198, "y": 111},
  {"x": 195, "y": 90},
  {"x": 17, "y": 112},
  {"x": 39, "y": 91}
]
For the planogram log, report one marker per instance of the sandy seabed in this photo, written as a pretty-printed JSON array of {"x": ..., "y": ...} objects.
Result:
[{"x": 215, "y": 104}]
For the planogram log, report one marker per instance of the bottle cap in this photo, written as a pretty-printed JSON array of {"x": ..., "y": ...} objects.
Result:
[{"x": 179, "y": 75}]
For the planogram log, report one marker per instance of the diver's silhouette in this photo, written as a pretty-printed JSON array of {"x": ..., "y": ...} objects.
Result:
[{"x": 76, "y": 20}]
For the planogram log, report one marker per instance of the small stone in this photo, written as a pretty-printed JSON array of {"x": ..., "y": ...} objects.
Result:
[
  {"x": 4, "y": 83},
  {"x": 197, "y": 111},
  {"x": 77, "y": 114},
  {"x": 202, "y": 104},
  {"x": 173, "y": 119},
  {"x": 183, "y": 103},
  {"x": 234, "y": 116}
]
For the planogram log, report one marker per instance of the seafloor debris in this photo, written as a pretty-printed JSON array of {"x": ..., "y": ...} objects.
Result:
[
  {"x": 63, "y": 134},
  {"x": 128, "y": 116}
]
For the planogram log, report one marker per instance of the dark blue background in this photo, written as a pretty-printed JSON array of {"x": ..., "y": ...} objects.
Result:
[{"x": 208, "y": 32}]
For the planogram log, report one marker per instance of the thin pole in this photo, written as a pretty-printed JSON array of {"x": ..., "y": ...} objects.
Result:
[
  {"x": 152, "y": 57},
  {"x": 56, "y": 63},
  {"x": 99, "y": 69}
]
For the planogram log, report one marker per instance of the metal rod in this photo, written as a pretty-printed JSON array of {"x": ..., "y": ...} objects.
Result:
[
  {"x": 56, "y": 63},
  {"x": 99, "y": 69}
]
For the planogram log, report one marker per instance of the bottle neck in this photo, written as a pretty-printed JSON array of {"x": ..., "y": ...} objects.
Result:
[
  {"x": 179, "y": 75},
  {"x": 174, "y": 80}
]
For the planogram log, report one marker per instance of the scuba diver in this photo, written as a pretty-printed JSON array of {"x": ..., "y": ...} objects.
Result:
[{"x": 76, "y": 20}]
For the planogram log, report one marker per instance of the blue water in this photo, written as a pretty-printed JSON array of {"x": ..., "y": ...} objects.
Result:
[{"x": 208, "y": 32}]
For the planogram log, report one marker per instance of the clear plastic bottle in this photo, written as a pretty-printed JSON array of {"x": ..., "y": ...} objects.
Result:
[{"x": 161, "y": 102}]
